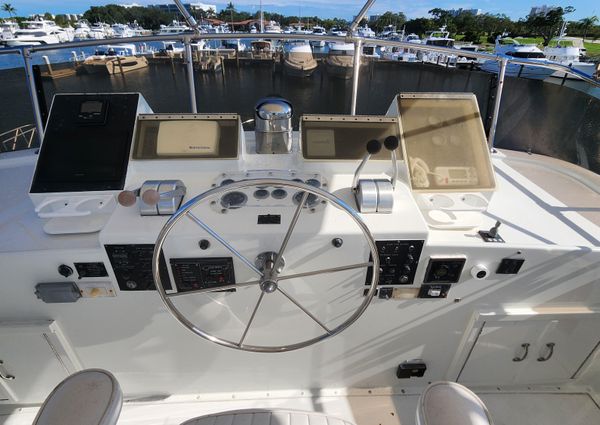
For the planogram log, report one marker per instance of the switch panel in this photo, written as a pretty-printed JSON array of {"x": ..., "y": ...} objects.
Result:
[
  {"x": 201, "y": 273},
  {"x": 132, "y": 265},
  {"x": 444, "y": 270},
  {"x": 91, "y": 269},
  {"x": 398, "y": 261}
]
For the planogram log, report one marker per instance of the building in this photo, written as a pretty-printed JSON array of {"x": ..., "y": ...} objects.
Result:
[
  {"x": 541, "y": 10},
  {"x": 130, "y": 5},
  {"x": 172, "y": 8},
  {"x": 374, "y": 18},
  {"x": 458, "y": 12}
]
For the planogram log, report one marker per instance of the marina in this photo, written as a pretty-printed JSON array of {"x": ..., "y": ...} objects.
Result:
[{"x": 252, "y": 229}]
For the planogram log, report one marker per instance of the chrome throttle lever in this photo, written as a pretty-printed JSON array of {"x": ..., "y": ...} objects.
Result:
[
  {"x": 391, "y": 143},
  {"x": 372, "y": 195}
]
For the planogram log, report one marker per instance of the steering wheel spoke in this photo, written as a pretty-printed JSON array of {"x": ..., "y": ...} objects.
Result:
[
  {"x": 223, "y": 242},
  {"x": 325, "y": 271},
  {"x": 308, "y": 313},
  {"x": 215, "y": 289},
  {"x": 260, "y": 298}
]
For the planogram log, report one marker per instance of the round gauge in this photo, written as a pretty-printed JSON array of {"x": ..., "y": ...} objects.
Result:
[
  {"x": 311, "y": 201},
  {"x": 279, "y": 194},
  {"x": 261, "y": 194},
  {"x": 234, "y": 200},
  {"x": 313, "y": 182},
  {"x": 227, "y": 181}
]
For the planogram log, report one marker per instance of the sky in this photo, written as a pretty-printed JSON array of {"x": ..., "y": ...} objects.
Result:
[{"x": 328, "y": 9}]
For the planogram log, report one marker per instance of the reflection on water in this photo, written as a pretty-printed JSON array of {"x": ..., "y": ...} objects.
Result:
[{"x": 537, "y": 116}]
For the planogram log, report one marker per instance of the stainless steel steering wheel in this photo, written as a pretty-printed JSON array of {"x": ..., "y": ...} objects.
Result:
[{"x": 269, "y": 275}]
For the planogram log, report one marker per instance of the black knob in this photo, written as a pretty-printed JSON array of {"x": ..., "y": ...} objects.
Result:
[
  {"x": 204, "y": 244},
  {"x": 337, "y": 242},
  {"x": 391, "y": 143},
  {"x": 65, "y": 270},
  {"x": 373, "y": 146}
]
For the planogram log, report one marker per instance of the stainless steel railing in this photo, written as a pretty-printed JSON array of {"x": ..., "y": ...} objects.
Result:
[{"x": 187, "y": 38}]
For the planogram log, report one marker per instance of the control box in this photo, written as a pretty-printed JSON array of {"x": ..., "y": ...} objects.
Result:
[
  {"x": 201, "y": 273},
  {"x": 132, "y": 265},
  {"x": 398, "y": 261}
]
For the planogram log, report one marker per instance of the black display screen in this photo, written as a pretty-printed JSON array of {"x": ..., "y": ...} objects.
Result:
[
  {"x": 86, "y": 144},
  {"x": 91, "y": 107}
]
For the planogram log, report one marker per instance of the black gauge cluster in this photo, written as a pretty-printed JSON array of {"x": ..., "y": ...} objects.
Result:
[{"x": 266, "y": 196}]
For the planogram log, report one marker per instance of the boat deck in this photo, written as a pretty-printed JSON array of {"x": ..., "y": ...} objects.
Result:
[{"x": 506, "y": 408}]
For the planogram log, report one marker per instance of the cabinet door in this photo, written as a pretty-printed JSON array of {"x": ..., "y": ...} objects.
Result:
[
  {"x": 561, "y": 349},
  {"x": 31, "y": 355},
  {"x": 494, "y": 357},
  {"x": 546, "y": 349}
]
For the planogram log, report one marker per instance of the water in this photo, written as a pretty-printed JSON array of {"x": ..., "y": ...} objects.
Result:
[{"x": 535, "y": 116}]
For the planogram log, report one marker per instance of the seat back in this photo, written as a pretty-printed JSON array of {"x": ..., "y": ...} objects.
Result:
[
  {"x": 449, "y": 403},
  {"x": 89, "y": 397}
]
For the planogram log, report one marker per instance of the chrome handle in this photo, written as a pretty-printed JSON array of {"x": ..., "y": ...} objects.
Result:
[
  {"x": 3, "y": 375},
  {"x": 524, "y": 356},
  {"x": 550, "y": 347}
]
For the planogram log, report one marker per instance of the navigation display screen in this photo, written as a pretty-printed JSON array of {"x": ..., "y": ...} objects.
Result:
[{"x": 88, "y": 154}]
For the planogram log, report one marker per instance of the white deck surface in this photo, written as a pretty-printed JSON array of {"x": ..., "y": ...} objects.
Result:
[{"x": 506, "y": 409}]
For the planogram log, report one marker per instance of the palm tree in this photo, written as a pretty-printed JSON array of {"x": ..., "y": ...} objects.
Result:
[
  {"x": 587, "y": 23},
  {"x": 8, "y": 8}
]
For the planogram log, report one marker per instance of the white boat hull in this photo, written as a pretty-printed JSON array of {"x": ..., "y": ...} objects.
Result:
[{"x": 515, "y": 70}]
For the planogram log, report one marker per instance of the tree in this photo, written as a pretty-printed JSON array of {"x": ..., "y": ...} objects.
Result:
[
  {"x": 389, "y": 18},
  {"x": 547, "y": 25},
  {"x": 587, "y": 23},
  {"x": 8, "y": 8}
]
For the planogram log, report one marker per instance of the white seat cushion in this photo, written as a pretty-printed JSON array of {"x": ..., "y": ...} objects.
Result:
[
  {"x": 89, "y": 397},
  {"x": 267, "y": 417},
  {"x": 449, "y": 403}
]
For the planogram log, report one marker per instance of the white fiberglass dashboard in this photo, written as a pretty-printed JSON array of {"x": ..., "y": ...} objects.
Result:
[{"x": 438, "y": 285}]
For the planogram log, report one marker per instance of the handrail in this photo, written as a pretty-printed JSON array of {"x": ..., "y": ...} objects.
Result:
[
  {"x": 189, "y": 37},
  {"x": 310, "y": 37}
]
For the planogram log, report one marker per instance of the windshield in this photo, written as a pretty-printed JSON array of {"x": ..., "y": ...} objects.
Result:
[{"x": 526, "y": 55}]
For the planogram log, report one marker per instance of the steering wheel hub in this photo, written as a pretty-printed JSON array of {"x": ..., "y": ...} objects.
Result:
[{"x": 268, "y": 286}]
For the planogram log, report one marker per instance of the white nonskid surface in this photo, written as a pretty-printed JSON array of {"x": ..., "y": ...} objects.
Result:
[{"x": 505, "y": 408}]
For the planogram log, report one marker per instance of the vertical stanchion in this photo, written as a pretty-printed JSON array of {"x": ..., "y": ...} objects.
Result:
[
  {"x": 355, "y": 74},
  {"x": 35, "y": 104},
  {"x": 501, "y": 73},
  {"x": 190, "y": 75}
]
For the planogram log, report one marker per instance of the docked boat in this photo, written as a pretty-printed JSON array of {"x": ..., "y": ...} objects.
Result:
[
  {"x": 235, "y": 45},
  {"x": 122, "y": 31},
  {"x": 81, "y": 31},
  {"x": 337, "y": 32},
  {"x": 261, "y": 50},
  {"x": 114, "y": 59},
  {"x": 7, "y": 29},
  {"x": 511, "y": 47},
  {"x": 173, "y": 28},
  {"x": 298, "y": 61},
  {"x": 365, "y": 31},
  {"x": 318, "y": 30},
  {"x": 272, "y": 27},
  {"x": 100, "y": 31},
  {"x": 340, "y": 60},
  {"x": 325, "y": 268},
  {"x": 39, "y": 32},
  {"x": 569, "y": 51}
]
